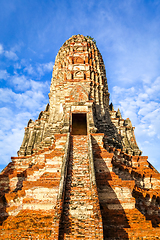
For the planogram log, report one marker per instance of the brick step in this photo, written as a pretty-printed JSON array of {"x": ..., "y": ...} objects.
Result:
[
  {"x": 26, "y": 234},
  {"x": 137, "y": 219},
  {"x": 128, "y": 224},
  {"x": 28, "y": 224},
  {"x": 131, "y": 218},
  {"x": 80, "y": 171},
  {"x": 132, "y": 234},
  {"x": 45, "y": 182},
  {"x": 79, "y": 189},
  {"x": 79, "y": 185},
  {"x": 147, "y": 234},
  {"x": 155, "y": 219}
]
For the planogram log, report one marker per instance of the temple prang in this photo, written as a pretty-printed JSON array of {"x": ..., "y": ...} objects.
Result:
[{"x": 79, "y": 173}]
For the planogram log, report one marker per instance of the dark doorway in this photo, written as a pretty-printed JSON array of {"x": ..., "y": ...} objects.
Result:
[{"x": 79, "y": 124}]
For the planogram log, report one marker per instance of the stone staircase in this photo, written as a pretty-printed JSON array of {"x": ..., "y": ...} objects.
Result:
[{"x": 79, "y": 210}]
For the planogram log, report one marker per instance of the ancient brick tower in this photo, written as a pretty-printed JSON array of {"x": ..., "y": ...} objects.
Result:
[{"x": 79, "y": 173}]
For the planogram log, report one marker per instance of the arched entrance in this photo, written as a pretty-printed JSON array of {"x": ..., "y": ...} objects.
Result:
[{"x": 79, "y": 124}]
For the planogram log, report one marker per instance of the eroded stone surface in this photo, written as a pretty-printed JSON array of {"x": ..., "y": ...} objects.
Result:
[{"x": 67, "y": 186}]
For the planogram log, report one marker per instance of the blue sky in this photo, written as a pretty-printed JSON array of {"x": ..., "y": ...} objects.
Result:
[{"x": 127, "y": 33}]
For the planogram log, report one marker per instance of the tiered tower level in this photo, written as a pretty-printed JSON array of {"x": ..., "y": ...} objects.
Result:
[{"x": 79, "y": 173}]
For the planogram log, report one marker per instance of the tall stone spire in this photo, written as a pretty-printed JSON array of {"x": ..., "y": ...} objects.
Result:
[
  {"x": 78, "y": 85},
  {"x": 79, "y": 173},
  {"x": 78, "y": 67}
]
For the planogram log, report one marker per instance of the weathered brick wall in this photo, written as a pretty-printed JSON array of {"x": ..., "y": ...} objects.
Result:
[
  {"x": 31, "y": 206},
  {"x": 126, "y": 132},
  {"x": 93, "y": 186},
  {"x": 129, "y": 202},
  {"x": 123, "y": 204}
]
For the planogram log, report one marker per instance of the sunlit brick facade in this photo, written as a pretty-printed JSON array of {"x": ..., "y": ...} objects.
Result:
[{"x": 79, "y": 173}]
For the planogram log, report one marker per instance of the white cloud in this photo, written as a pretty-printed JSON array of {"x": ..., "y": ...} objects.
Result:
[
  {"x": 29, "y": 69},
  {"x": 1, "y": 48},
  {"x": 44, "y": 67},
  {"x": 153, "y": 88},
  {"x": 48, "y": 66},
  {"x": 19, "y": 108},
  {"x": 17, "y": 66},
  {"x": 38, "y": 69},
  {"x": 20, "y": 82},
  {"x": 4, "y": 74},
  {"x": 39, "y": 86},
  {"x": 11, "y": 134},
  {"x": 24, "y": 83},
  {"x": 11, "y": 55},
  {"x": 31, "y": 99},
  {"x": 142, "y": 106},
  {"x": 6, "y": 95}
]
